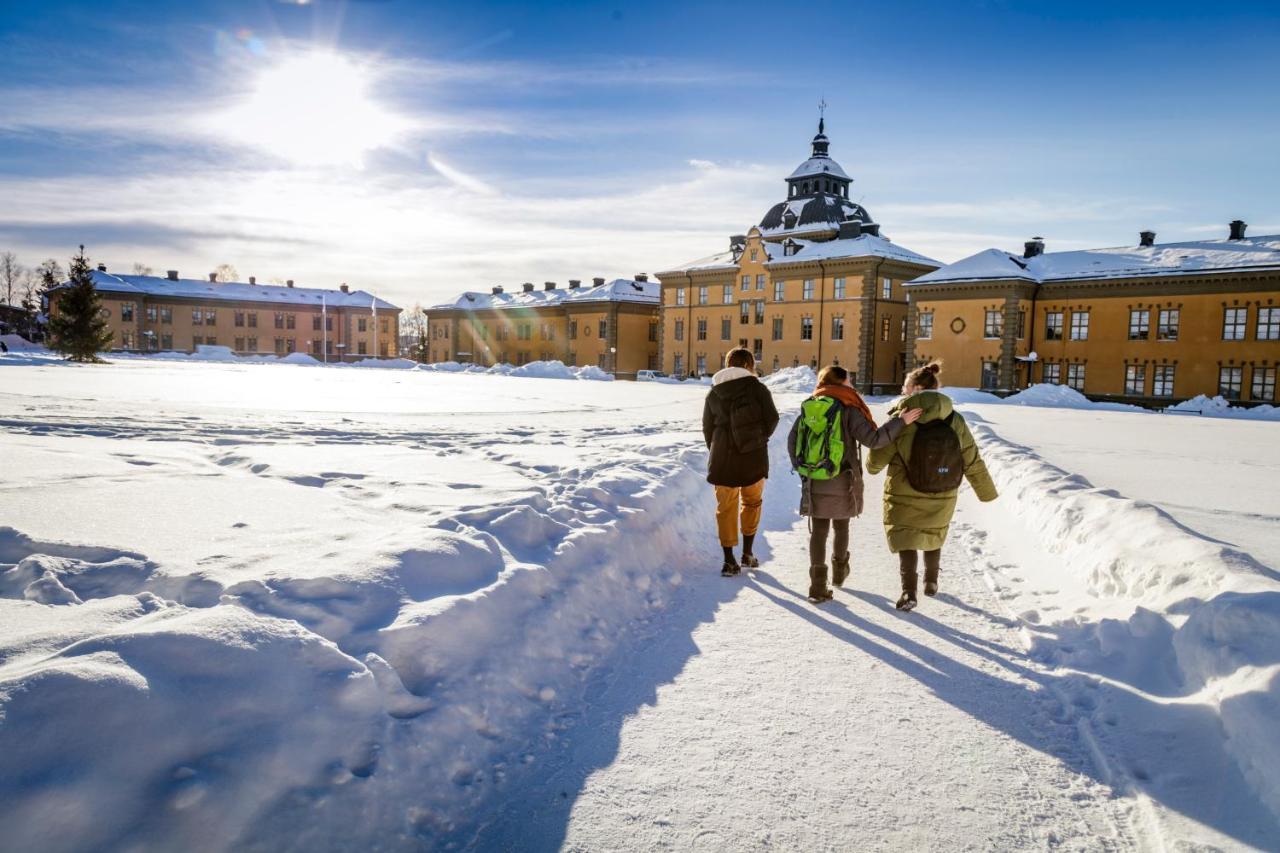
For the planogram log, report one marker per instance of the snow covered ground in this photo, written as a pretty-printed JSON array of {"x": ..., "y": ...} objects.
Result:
[{"x": 268, "y": 606}]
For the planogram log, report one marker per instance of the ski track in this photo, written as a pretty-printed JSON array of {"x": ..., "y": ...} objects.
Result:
[{"x": 834, "y": 727}]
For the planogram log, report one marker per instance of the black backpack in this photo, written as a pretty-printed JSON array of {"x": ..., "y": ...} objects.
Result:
[{"x": 936, "y": 463}]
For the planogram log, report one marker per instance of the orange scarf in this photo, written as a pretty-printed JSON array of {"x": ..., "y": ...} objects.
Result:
[{"x": 845, "y": 395}]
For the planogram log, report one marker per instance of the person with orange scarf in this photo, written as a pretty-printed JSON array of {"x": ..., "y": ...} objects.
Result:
[{"x": 831, "y": 501}]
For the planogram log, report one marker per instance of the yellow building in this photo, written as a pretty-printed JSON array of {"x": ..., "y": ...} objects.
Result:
[
  {"x": 1150, "y": 323},
  {"x": 153, "y": 314},
  {"x": 814, "y": 283},
  {"x": 612, "y": 325}
]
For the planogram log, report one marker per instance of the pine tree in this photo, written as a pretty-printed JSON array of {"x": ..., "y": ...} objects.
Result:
[{"x": 77, "y": 327}]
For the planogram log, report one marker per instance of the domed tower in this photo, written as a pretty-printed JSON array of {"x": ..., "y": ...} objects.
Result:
[{"x": 817, "y": 199}]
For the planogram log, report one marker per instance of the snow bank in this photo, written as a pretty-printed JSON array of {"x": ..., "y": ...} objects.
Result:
[
  {"x": 970, "y": 395},
  {"x": 1062, "y": 397},
  {"x": 1218, "y": 407},
  {"x": 532, "y": 370},
  {"x": 799, "y": 380},
  {"x": 17, "y": 343},
  {"x": 298, "y": 358},
  {"x": 387, "y": 363},
  {"x": 1201, "y": 611}
]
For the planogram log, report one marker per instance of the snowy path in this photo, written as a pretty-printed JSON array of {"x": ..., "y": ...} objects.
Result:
[{"x": 846, "y": 726}]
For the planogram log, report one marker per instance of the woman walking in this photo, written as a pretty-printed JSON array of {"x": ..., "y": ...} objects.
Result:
[
  {"x": 926, "y": 465},
  {"x": 823, "y": 444}
]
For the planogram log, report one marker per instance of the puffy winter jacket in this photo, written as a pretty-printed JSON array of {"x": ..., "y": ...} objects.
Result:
[
  {"x": 917, "y": 520},
  {"x": 737, "y": 420}
]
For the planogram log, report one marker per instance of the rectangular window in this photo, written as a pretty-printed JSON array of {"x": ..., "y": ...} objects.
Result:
[
  {"x": 702, "y": 330},
  {"x": 1230, "y": 382},
  {"x": 237, "y": 319},
  {"x": 1053, "y": 326},
  {"x": 726, "y": 328},
  {"x": 1135, "y": 379},
  {"x": 291, "y": 344},
  {"x": 702, "y": 295},
  {"x": 1051, "y": 372},
  {"x": 604, "y": 329},
  {"x": 280, "y": 344},
  {"x": 653, "y": 332},
  {"x": 677, "y": 365},
  {"x": 1162, "y": 381},
  {"x": 166, "y": 341},
  {"x": 1075, "y": 376},
  {"x": 362, "y": 324},
  {"x": 757, "y": 349},
  {"x": 806, "y": 328},
  {"x": 211, "y": 341},
  {"x": 1079, "y": 326},
  {"x": 746, "y": 282},
  {"x": 837, "y": 328},
  {"x": 777, "y": 328},
  {"x": 573, "y": 330},
  {"x": 384, "y": 326},
  {"x": 839, "y": 288},
  {"x": 807, "y": 293},
  {"x": 925, "y": 323},
  {"x": 990, "y": 375},
  {"x": 362, "y": 348},
  {"x": 679, "y": 330},
  {"x": 253, "y": 319},
  {"x": 315, "y": 322},
  {"x": 1264, "y": 384},
  {"x": 197, "y": 317},
  {"x": 210, "y": 317},
  {"x": 744, "y": 316},
  {"x": 760, "y": 281},
  {"x": 126, "y": 313},
  {"x": 759, "y": 312},
  {"x": 1139, "y": 324},
  {"x": 151, "y": 313},
  {"x": 702, "y": 365},
  {"x": 1234, "y": 322},
  {"x": 993, "y": 327},
  {"x": 779, "y": 290},
  {"x": 197, "y": 340},
  {"x": 1022, "y": 325},
  {"x": 728, "y": 294},
  {"x": 679, "y": 295},
  {"x": 239, "y": 344},
  {"x": 884, "y": 327},
  {"x": 166, "y": 314},
  {"x": 1168, "y": 328},
  {"x": 886, "y": 288},
  {"x": 1269, "y": 324}
]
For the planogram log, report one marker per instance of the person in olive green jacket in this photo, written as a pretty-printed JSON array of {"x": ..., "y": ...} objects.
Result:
[{"x": 914, "y": 520}]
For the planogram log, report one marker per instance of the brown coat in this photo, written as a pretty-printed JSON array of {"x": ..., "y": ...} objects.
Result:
[{"x": 841, "y": 496}]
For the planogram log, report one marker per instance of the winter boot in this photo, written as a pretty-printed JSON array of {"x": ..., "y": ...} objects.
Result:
[
  {"x": 907, "y": 601},
  {"x": 749, "y": 561},
  {"x": 818, "y": 589},
  {"x": 839, "y": 568},
  {"x": 730, "y": 569},
  {"x": 930, "y": 581}
]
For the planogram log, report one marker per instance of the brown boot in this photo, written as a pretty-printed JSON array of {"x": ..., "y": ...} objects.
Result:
[
  {"x": 840, "y": 569},
  {"x": 818, "y": 589}
]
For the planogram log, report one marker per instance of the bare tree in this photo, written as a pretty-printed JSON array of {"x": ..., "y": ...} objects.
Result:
[
  {"x": 50, "y": 274},
  {"x": 11, "y": 273},
  {"x": 413, "y": 326},
  {"x": 226, "y": 272},
  {"x": 142, "y": 269}
]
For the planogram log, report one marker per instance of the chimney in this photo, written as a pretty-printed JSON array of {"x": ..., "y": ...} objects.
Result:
[
  {"x": 596, "y": 282},
  {"x": 213, "y": 276},
  {"x": 172, "y": 275},
  {"x": 1146, "y": 238},
  {"x": 851, "y": 229},
  {"x": 548, "y": 285},
  {"x": 497, "y": 290},
  {"x": 1033, "y": 247},
  {"x": 253, "y": 279},
  {"x": 642, "y": 276},
  {"x": 102, "y": 267},
  {"x": 289, "y": 283},
  {"x": 527, "y": 287},
  {"x": 1237, "y": 229},
  {"x": 737, "y": 242},
  {"x": 575, "y": 283},
  {"x": 343, "y": 287}
]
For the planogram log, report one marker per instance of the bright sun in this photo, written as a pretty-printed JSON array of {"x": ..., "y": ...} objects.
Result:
[{"x": 315, "y": 109}]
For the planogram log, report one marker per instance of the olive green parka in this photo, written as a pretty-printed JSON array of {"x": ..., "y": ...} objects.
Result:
[{"x": 917, "y": 521}]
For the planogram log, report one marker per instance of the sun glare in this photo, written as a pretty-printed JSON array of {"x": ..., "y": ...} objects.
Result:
[{"x": 316, "y": 109}]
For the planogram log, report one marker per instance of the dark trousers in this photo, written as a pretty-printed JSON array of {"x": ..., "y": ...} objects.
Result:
[
  {"x": 907, "y": 561},
  {"x": 818, "y": 539}
]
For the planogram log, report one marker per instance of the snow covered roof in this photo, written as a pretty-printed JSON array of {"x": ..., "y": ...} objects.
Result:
[
  {"x": 618, "y": 290},
  {"x": 1196, "y": 256},
  {"x": 819, "y": 166},
  {"x": 234, "y": 291},
  {"x": 822, "y": 211},
  {"x": 865, "y": 245}
]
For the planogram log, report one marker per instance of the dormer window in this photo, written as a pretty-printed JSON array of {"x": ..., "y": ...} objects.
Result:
[{"x": 790, "y": 247}]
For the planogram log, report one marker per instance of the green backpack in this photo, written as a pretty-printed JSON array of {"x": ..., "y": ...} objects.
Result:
[{"x": 819, "y": 439}]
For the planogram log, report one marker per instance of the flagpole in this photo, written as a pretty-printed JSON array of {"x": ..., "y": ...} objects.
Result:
[
  {"x": 374, "y": 305},
  {"x": 324, "y": 327}
]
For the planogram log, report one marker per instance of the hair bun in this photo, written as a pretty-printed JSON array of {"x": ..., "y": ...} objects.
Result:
[{"x": 934, "y": 367}]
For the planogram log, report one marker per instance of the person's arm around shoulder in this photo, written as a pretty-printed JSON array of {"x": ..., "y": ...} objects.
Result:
[
  {"x": 975, "y": 470},
  {"x": 864, "y": 432}
]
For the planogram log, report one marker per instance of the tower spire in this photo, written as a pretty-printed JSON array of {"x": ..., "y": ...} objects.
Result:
[{"x": 822, "y": 109}]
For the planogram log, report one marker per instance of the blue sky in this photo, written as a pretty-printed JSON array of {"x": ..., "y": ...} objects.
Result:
[{"x": 494, "y": 143}]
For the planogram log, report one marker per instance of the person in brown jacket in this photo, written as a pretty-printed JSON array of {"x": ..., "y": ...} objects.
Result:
[{"x": 831, "y": 503}]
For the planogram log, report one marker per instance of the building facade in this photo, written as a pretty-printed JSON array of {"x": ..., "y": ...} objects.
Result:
[
  {"x": 612, "y": 325},
  {"x": 813, "y": 283},
  {"x": 173, "y": 314},
  {"x": 1150, "y": 323}
]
